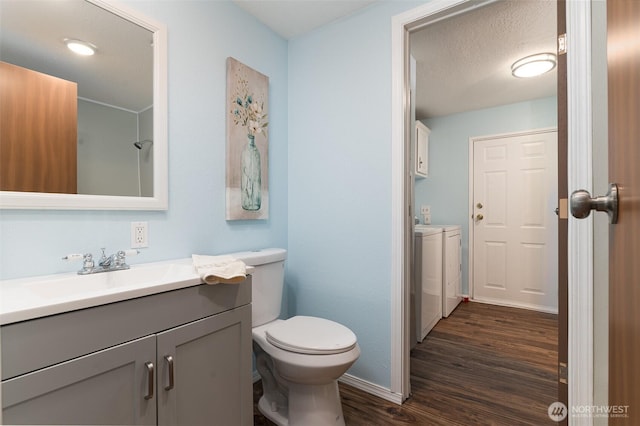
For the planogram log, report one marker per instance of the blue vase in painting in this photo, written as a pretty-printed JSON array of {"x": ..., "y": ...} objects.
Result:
[{"x": 251, "y": 183}]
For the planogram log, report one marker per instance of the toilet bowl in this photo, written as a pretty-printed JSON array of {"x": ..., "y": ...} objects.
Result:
[
  {"x": 299, "y": 359},
  {"x": 301, "y": 388}
]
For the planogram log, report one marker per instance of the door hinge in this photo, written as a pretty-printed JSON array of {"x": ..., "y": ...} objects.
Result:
[
  {"x": 562, "y": 44},
  {"x": 562, "y": 372}
]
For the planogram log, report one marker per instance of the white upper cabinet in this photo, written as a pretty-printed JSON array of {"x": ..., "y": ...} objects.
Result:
[{"x": 422, "y": 150}]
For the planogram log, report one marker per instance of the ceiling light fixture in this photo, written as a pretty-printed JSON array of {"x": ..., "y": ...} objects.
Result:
[
  {"x": 80, "y": 47},
  {"x": 534, "y": 65}
]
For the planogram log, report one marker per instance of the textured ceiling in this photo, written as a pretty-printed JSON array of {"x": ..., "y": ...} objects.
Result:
[{"x": 464, "y": 62}]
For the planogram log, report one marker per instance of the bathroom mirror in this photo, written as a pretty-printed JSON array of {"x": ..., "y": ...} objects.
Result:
[{"x": 119, "y": 119}]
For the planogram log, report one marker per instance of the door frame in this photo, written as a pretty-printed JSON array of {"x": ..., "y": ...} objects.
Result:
[
  {"x": 579, "y": 170},
  {"x": 580, "y": 286},
  {"x": 472, "y": 140}
]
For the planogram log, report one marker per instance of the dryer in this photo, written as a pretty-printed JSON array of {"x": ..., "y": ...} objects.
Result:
[{"x": 451, "y": 265}]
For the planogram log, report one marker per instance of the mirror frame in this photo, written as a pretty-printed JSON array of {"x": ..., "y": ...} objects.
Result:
[{"x": 160, "y": 199}]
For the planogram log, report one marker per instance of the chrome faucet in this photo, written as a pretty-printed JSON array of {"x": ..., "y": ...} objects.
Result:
[
  {"x": 106, "y": 262},
  {"x": 115, "y": 262}
]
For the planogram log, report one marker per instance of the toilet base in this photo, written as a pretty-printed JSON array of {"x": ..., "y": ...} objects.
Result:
[
  {"x": 308, "y": 405},
  {"x": 274, "y": 416},
  {"x": 315, "y": 405}
]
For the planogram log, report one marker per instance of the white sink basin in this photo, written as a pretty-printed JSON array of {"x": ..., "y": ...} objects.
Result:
[
  {"x": 64, "y": 286},
  {"x": 27, "y": 298}
]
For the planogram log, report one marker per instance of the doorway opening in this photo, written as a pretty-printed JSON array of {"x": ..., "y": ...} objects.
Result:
[
  {"x": 441, "y": 210},
  {"x": 577, "y": 129}
]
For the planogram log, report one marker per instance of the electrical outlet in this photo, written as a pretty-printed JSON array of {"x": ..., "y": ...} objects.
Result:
[
  {"x": 427, "y": 219},
  {"x": 139, "y": 235},
  {"x": 425, "y": 209}
]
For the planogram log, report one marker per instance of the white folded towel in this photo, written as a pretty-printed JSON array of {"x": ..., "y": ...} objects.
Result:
[{"x": 220, "y": 269}]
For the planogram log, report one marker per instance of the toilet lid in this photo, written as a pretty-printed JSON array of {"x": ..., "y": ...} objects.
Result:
[{"x": 310, "y": 335}]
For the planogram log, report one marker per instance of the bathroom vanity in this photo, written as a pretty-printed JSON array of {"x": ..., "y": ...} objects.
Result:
[{"x": 170, "y": 356}]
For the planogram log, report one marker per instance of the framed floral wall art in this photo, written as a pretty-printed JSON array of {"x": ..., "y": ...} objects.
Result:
[{"x": 247, "y": 168}]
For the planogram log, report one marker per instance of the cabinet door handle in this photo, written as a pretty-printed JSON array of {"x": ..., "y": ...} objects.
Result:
[
  {"x": 169, "y": 360},
  {"x": 149, "y": 394}
]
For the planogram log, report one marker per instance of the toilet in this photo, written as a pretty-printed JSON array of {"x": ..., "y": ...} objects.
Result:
[{"x": 299, "y": 359}]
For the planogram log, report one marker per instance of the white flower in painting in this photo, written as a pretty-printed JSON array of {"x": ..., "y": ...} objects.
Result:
[
  {"x": 256, "y": 109},
  {"x": 247, "y": 111},
  {"x": 254, "y": 127}
]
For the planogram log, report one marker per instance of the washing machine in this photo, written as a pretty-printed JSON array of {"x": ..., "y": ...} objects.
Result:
[
  {"x": 428, "y": 280},
  {"x": 451, "y": 265}
]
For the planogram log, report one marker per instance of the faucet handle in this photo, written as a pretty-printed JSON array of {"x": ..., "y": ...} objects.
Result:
[
  {"x": 120, "y": 258},
  {"x": 73, "y": 256},
  {"x": 87, "y": 262}
]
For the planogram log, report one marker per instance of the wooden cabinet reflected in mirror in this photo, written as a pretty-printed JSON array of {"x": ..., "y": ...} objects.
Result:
[{"x": 38, "y": 130}]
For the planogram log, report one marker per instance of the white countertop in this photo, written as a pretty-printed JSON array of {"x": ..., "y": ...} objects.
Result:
[{"x": 28, "y": 298}]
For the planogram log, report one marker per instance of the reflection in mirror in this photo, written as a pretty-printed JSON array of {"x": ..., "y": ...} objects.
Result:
[{"x": 87, "y": 125}]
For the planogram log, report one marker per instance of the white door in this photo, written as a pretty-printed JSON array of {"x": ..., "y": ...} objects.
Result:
[{"x": 515, "y": 230}]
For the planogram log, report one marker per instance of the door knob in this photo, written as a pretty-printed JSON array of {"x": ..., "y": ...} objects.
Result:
[
  {"x": 479, "y": 216},
  {"x": 582, "y": 203}
]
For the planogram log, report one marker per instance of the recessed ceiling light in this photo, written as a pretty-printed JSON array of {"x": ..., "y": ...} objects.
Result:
[
  {"x": 534, "y": 65},
  {"x": 80, "y": 47}
]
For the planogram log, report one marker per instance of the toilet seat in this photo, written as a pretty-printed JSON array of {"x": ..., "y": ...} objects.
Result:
[{"x": 311, "y": 335}]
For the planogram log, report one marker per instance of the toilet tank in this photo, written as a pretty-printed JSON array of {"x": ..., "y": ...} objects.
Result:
[{"x": 267, "y": 281}]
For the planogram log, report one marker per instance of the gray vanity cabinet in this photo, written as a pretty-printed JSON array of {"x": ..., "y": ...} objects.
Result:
[
  {"x": 101, "y": 388},
  {"x": 209, "y": 359},
  {"x": 177, "y": 358}
]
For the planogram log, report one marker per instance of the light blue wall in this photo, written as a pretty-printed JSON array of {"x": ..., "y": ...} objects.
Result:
[
  {"x": 201, "y": 36},
  {"x": 339, "y": 263},
  {"x": 446, "y": 189},
  {"x": 330, "y": 186}
]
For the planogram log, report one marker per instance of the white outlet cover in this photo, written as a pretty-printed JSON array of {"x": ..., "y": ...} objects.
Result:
[
  {"x": 425, "y": 209},
  {"x": 139, "y": 235}
]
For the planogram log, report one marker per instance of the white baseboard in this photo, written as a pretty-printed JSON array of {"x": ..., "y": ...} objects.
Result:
[
  {"x": 546, "y": 309},
  {"x": 371, "y": 388},
  {"x": 363, "y": 385}
]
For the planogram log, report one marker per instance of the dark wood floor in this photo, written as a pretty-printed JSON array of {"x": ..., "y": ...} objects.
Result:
[{"x": 484, "y": 365}]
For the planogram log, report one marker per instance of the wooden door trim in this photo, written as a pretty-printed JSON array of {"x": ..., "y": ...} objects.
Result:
[
  {"x": 580, "y": 244},
  {"x": 623, "y": 107}
]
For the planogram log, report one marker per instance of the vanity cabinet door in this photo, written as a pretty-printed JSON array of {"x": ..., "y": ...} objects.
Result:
[
  {"x": 106, "y": 387},
  {"x": 211, "y": 364}
]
